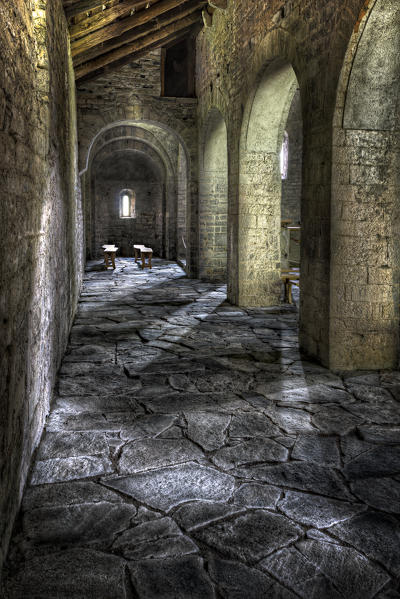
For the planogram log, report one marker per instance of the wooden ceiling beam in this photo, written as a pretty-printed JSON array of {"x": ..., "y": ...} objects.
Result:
[
  {"x": 72, "y": 9},
  {"x": 120, "y": 27},
  {"x": 134, "y": 34},
  {"x": 156, "y": 39},
  {"x": 105, "y": 17},
  {"x": 169, "y": 40}
]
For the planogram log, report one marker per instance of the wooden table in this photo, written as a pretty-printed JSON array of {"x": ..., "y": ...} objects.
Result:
[
  {"x": 137, "y": 249},
  {"x": 290, "y": 277},
  {"x": 109, "y": 255},
  {"x": 146, "y": 253}
]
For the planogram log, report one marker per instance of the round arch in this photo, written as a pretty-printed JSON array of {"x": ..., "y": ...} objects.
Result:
[
  {"x": 260, "y": 185},
  {"x": 167, "y": 143},
  {"x": 140, "y": 124},
  {"x": 365, "y": 218},
  {"x": 157, "y": 187}
]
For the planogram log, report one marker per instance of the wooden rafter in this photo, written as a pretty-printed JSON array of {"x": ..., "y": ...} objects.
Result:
[
  {"x": 105, "y": 34},
  {"x": 138, "y": 32},
  {"x": 165, "y": 42},
  {"x": 118, "y": 28},
  {"x": 73, "y": 8},
  {"x": 105, "y": 17},
  {"x": 155, "y": 39}
]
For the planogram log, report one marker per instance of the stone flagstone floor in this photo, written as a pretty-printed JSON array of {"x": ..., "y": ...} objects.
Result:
[{"x": 191, "y": 453}]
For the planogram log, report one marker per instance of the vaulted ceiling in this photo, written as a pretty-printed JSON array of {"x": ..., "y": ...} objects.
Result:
[{"x": 107, "y": 34}]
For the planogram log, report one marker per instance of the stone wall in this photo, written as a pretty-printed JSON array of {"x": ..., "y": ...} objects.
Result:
[
  {"x": 40, "y": 228},
  {"x": 365, "y": 274},
  {"x": 136, "y": 172},
  {"x": 130, "y": 96},
  {"x": 231, "y": 56},
  {"x": 213, "y": 200}
]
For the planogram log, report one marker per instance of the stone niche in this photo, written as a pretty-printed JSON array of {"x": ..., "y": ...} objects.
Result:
[{"x": 136, "y": 172}]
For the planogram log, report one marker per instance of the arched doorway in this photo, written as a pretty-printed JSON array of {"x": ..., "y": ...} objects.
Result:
[
  {"x": 260, "y": 185},
  {"x": 365, "y": 239},
  {"x": 213, "y": 200},
  {"x": 128, "y": 198}
]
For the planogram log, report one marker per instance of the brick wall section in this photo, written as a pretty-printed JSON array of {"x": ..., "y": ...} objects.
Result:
[
  {"x": 40, "y": 227},
  {"x": 230, "y": 56}
]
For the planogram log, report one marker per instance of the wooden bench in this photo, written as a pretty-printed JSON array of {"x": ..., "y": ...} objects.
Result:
[
  {"x": 109, "y": 255},
  {"x": 146, "y": 253},
  {"x": 137, "y": 249},
  {"x": 290, "y": 277}
]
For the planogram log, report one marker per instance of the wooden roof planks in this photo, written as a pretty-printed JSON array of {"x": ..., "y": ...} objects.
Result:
[{"x": 106, "y": 34}]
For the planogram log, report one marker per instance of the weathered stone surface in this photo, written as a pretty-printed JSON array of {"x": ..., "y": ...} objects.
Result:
[
  {"x": 352, "y": 573},
  {"x": 156, "y": 453},
  {"x": 79, "y": 523},
  {"x": 315, "y": 394},
  {"x": 168, "y": 487},
  {"x": 119, "y": 402},
  {"x": 314, "y": 510},
  {"x": 353, "y": 446},
  {"x": 163, "y": 548},
  {"x": 65, "y": 445},
  {"x": 70, "y": 493},
  {"x": 147, "y": 531},
  {"x": 381, "y": 493},
  {"x": 64, "y": 469},
  {"x": 313, "y": 448},
  {"x": 208, "y": 430},
  {"x": 147, "y": 426},
  {"x": 234, "y": 578},
  {"x": 303, "y": 476},
  {"x": 376, "y": 434},
  {"x": 250, "y": 518},
  {"x": 293, "y": 570},
  {"x": 379, "y": 461},
  {"x": 250, "y": 537},
  {"x": 291, "y": 420},
  {"x": 114, "y": 421},
  {"x": 201, "y": 513},
  {"x": 251, "y": 425},
  {"x": 155, "y": 539},
  {"x": 375, "y": 535},
  {"x": 70, "y": 575},
  {"x": 177, "y": 578},
  {"x": 206, "y": 402},
  {"x": 250, "y": 452},
  {"x": 254, "y": 495},
  {"x": 335, "y": 420}
]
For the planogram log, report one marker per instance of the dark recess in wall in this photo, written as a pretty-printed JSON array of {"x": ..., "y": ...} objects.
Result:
[{"x": 177, "y": 69}]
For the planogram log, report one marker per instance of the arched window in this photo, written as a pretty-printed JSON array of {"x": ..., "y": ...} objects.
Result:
[
  {"x": 127, "y": 201},
  {"x": 284, "y": 157}
]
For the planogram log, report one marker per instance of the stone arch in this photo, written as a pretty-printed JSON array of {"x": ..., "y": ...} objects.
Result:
[
  {"x": 174, "y": 153},
  {"x": 260, "y": 185},
  {"x": 140, "y": 124},
  {"x": 365, "y": 224},
  {"x": 112, "y": 150},
  {"x": 213, "y": 199}
]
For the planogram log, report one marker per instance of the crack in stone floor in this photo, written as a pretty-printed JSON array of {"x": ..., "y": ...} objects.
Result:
[{"x": 192, "y": 453}]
